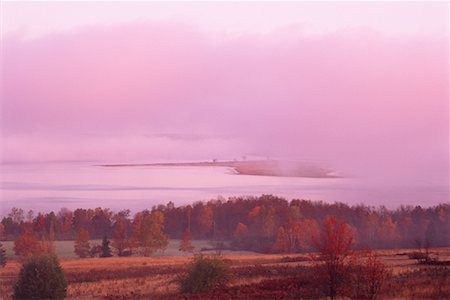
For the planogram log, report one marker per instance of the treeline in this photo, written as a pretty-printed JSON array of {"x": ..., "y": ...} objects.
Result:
[{"x": 266, "y": 224}]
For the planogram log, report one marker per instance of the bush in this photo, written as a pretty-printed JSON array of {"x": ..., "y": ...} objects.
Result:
[
  {"x": 418, "y": 255},
  {"x": 368, "y": 276},
  {"x": 41, "y": 278},
  {"x": 205, "y": 274}
]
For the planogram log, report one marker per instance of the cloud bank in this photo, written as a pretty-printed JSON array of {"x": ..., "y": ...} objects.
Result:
[{"x": 357, "y": 100}]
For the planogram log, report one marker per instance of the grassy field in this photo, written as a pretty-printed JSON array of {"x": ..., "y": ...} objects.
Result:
[
  {"x": 255, "y": 276},
  {"x": 64, "y": 249}
]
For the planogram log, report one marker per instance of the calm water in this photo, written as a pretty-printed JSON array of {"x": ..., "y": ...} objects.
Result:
[{"x": 51, "y": 186}]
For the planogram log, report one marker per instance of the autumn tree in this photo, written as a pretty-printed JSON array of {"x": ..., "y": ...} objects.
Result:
[
  {"x": 101, "y": 222},
  {"x": 26, "y": 245},
  {"x": 48, "y": 237},
  {"x": 121, "y": 228},
  {"x": 82, "y": 219},
  {"x": 240, "y": 235},
  {"x": 82, "y": 247},
  {"x": 282, "y": 243},
  {"x": 387, "y": 232},
  {"x": 17, "y": 215},
  {"x": 64, "y": 224},
  {"x": 39, "y": 225},
  {"x": 148, "y": 232},
  {"x": 334, "y": 261},
  {"x": 2, "y": 232},
  {"x": 295, "y": 236},
  {"x": 186, "y": 242},
  {"x": 205, "y": 221}
]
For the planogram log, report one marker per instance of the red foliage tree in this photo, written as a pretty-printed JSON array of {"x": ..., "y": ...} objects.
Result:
[
  {"x": 335, "y": 258},
  {"x": 282, "y": 243}
]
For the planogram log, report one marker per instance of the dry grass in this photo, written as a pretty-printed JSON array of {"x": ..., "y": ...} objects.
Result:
[{"x": 153, "y": 277}]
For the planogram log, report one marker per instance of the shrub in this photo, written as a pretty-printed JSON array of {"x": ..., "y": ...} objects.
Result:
[
  {"x": 368, "y": 276},
  {"x": 41, "y": 278},
  {"x": 205, "y": 274},
  {"x": 420, "y": 256}
]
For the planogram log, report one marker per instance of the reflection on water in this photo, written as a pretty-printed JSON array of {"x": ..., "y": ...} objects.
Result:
[{"x": 45, "y": 187}]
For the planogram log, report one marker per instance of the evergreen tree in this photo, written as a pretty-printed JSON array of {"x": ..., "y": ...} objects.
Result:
[
  {"x": 2, "y": 256},
  {"x": 41, "y": 278},
  {"x": 106, "y": 250}
]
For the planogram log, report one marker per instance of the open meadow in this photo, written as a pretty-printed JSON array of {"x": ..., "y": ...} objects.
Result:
[
  {"x": 65, "y": 249},
  {"x": 255, "y": 276}
]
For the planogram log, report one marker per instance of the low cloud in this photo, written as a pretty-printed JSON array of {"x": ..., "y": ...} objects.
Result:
[{"x": 356, "y": 100}]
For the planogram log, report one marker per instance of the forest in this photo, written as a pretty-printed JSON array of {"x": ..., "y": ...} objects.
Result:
[{"x": 266, "y": 224}]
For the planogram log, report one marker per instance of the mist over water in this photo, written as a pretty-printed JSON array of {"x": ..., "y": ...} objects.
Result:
[
  {"x": 51, "y": 186},
  {"x": 368, "y": 102}
]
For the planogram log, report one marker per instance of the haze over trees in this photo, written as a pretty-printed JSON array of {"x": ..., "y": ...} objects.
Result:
[{"x": 265, "y": 224}]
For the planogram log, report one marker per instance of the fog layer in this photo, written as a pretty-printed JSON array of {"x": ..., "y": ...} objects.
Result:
[{"x": 366, "y": 104}]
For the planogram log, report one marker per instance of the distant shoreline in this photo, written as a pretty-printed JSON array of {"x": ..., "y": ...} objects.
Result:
[{"x": 250, "y": 167}]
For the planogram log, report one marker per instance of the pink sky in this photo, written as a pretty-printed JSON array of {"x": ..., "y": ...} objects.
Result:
[{"x": 360, "y": 86}]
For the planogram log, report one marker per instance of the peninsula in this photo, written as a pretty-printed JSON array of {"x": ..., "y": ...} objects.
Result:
[{"x": 251, "y": 167}]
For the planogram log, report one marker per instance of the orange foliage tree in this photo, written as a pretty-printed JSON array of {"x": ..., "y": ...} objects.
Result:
[
  {"x": 148, "y": 232},
  {"x": 295, "y": 236},
  {"x": 205, "y": 221},
  {"x": 82, "y": 247},
  {"x": 121, "y": 227},
  {"x": 240, "y": 235},
  {"x": 26, "y": 245},
  {"x": 186, "y": 242},
  {"x": 282, "y": 243}
]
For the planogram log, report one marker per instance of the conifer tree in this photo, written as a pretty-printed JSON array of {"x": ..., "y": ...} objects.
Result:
[
  {"x": 106, "y": 250},
  {"x": 2, "y": 256},
  {"x": 41, "y": 278}
]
